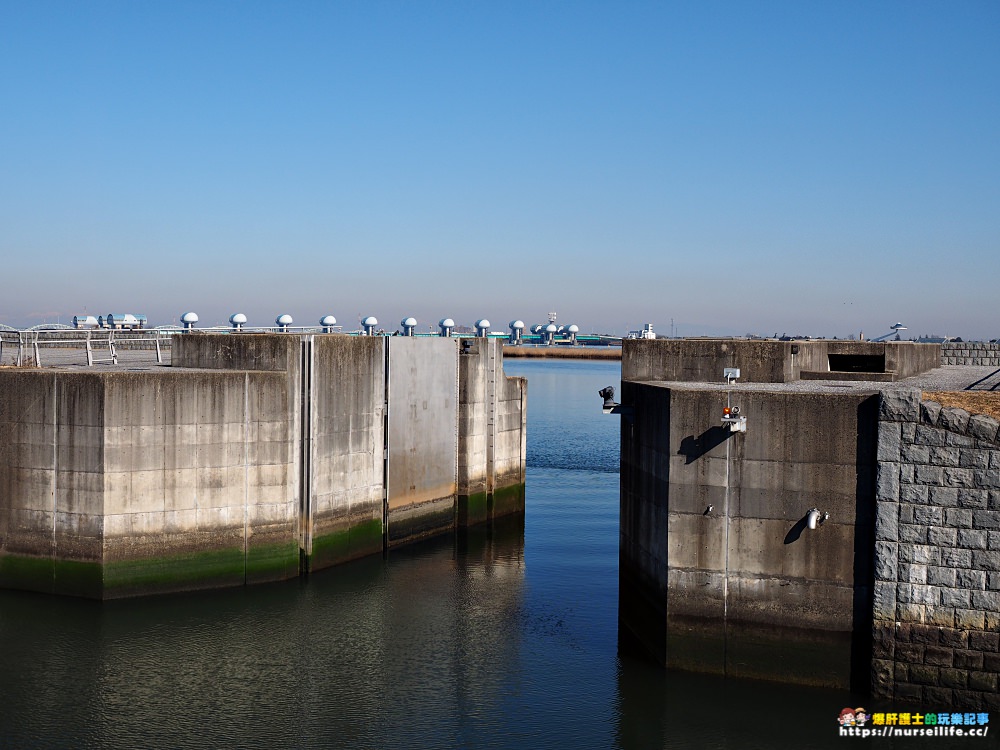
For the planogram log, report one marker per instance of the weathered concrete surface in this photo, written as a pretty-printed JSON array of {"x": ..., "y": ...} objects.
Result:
[
  {"x": 199, "y": 488},
  {"x": 763, "y": 361},
  {"x": 122, "y": 483},
  {"x": 423, "y": 437},
  {"x": 51, "y": 481},
  {"x": 895, "y": 593},
  {"x": 220, "y": 351},
  {"x": 714, "y": 534},
  {"x": 491, "y": 434},
  {"x": 703, "y": 360},
  {"x": 342, "y": 517},
  {"x": 141, "y": 484}
]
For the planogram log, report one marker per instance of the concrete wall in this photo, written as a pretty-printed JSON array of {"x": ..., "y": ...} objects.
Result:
[
  {"x": 704, "y": 360},
  {"x": 423, "y": 437},
  {"x": 903, "y": 359},
  {"x": 199, "y": 487},
  {"x": 719, "y": 572},
  {"x": 256, "y": 455},
  {"x": 510, "y": 442},
  {"x": 907, "y": 359},
  {"x": 220, "y": 351},
  {"x": 141, "y": 484},
  {"x": 492, "y": 434},
  {"x": 937, "y": 555},
  {"x": 970, "y": 353},
  {"x": 342, "y": 517},
  {"x": 51, "y": 481}
]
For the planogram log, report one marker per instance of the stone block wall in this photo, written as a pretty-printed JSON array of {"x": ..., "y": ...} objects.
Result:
[
  {"x": 970, "y": 353},
  {"x": 937, "y": 555}
]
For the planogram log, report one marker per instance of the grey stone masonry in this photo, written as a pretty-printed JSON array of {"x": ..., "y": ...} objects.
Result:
[
  {"x": 937, "y": 552},
  {"x": 970, "y": 353}
]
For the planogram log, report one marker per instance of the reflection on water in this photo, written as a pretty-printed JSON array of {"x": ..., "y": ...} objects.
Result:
[{"x": 501, "y": 638}]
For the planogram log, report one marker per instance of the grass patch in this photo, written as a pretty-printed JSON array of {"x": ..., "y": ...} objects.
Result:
[{"x": 974, "y": 402}]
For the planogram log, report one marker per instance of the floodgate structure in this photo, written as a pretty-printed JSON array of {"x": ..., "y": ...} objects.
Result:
[
  {"x": 813, "y": 517},
  {"x": 251, "y": 457}
]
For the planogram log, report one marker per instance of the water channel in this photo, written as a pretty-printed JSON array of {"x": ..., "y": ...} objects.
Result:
[{"x": 502, "y": 638}]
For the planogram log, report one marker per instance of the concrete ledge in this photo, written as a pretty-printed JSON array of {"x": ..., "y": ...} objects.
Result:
[
  {"x": 858, "y": 377},
  {"x": 770, "y": 361}
]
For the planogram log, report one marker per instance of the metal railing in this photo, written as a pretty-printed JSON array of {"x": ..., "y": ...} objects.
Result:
[{"x": 37, "y": 347}]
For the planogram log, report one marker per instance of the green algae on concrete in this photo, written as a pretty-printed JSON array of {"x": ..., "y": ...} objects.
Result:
[
  {"x": 473, "y": 509},
  {"x": 481, "y": 507},
  {"x": 345, "y": 544},
  {"x": 27, "y": 573},
  {"x": 186, "y": 571},
  {"x": 78, "y": 578},
  {"x": 507, "y": 500},
  {"x": 51, "y": 576},
  {"x": 275, "y": 561}
]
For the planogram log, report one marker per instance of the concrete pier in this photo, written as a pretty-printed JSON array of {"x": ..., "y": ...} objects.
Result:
[
  {"x": 720, "y": 571},
  {"x": 254, "y": 457},
  {"x": 850, "y": 537}
]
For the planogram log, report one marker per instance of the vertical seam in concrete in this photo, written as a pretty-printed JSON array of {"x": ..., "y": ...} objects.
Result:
[
  {"x": 246, "y": 472},
  {"x": 491, "y": 418},
  {"x": 725, "y": 577},
  {"x": 55, "y": 465},
  {"x": 385, "y": 445},
  {"x": 305, "y": 442}
]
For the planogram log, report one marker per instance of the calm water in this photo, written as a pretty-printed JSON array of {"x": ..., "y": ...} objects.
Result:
[{"x": 502, "y": 640}]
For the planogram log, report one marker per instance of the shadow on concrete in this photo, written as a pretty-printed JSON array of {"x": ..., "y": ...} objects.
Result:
[
  {"x": 864, "y": 546},
  {"x": 693, "y": 448},
  {"x": 975, "y": 386},
  {"x": 796, "y": 531}
]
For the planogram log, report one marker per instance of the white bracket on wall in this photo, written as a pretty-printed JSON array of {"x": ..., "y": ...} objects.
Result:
[
  {"x": 611, "y": 406},
  {"x": 731, "y": 414}
]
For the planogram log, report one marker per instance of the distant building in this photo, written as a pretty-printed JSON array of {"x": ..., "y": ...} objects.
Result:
[{"x": 645, "y": 333}]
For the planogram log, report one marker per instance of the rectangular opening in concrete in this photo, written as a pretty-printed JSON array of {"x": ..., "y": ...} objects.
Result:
[{"x": 857, "y": 362}]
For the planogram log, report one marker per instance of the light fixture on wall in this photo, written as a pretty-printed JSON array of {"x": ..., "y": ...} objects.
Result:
[
  {"x": 613, "y": 407},
  {"x": 608, "y": 394},
  {"x": 815, "y": 518}
]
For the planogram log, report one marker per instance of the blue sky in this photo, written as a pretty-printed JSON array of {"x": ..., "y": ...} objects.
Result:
[{"x": 765, "y": 167}]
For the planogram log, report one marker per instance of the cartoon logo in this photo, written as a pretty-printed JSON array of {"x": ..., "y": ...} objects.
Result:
[
  {"x": 860, "y": 717},
  {"x": 847, "y": 717}
]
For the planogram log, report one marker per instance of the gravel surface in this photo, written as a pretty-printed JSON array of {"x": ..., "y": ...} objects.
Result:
[{"x": 945, "y": 378}]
